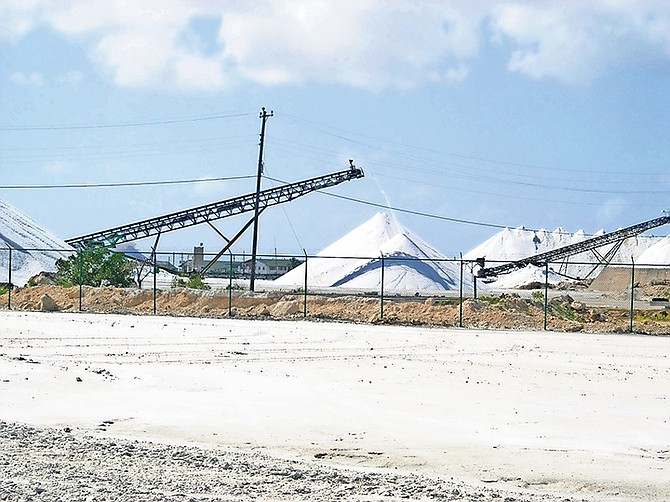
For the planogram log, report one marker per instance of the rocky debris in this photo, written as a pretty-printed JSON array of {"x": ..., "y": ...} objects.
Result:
[
  {"x": 47, "y": 304},
  {"x": 285, "y": 308},
  {"x": 50, "y": 464},
  {"x": 43, "y": 279},
  {"x": 505, "y": 311}
]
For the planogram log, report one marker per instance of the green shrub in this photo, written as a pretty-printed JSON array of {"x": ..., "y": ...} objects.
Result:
[
  {"x": 565, "y": 312},
  {"x": 444, "y": 302},
  {"x": 94, "y": 267},
  {"x": 491, "y": 300},
  {"x": 192, "y": 282}
]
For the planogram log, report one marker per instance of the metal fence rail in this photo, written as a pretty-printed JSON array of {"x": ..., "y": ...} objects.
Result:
[{"x": 386, "y": 288}]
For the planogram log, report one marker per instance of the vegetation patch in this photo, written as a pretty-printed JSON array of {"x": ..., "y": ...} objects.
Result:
[
  {"x": 491, "y": 300},
  {"x": 445, "y": 302},
  {"x": 192, "y": 282},
  {"x": 647, "y": 316},
  {"x": 94, "y": 267},
  {"x": 565, "y": 311}
]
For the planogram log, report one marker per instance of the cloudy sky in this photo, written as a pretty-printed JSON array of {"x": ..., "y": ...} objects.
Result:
[{"x": 465, "y": 115}]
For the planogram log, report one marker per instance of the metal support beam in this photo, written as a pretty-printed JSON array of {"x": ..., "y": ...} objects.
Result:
[
  {"x": 228, "y": 245},
  {"x": 218, "y": 232},
  {"x": 573, "y": 249},
  {"x": 212, "y": 212}
]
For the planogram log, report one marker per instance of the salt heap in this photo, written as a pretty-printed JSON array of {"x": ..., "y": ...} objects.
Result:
[
  {"x": 355, "y": 260},
  {"x": 514, "y": 244},
  {"x": 34, "y": 249},
  {"x": 658, "y": 254}
]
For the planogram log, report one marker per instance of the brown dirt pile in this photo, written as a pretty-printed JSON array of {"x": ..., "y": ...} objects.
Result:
[{"x": 507, "y": 311}]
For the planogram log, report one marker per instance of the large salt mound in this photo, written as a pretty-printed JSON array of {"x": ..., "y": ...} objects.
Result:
[
  {"x": 354, "y": 261},
  {"x": 34, "y": 249},
  {"x": 514, "y": 244}
]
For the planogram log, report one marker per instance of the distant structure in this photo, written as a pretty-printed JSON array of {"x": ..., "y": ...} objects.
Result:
[
  {"x": 266, "y": 267},
  {"x": 198, "y": 258}
]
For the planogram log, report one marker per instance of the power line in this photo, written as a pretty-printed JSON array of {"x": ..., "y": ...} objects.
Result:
[
  {"x": 123, "y": 184},
  {"x": 429, "y": 215},
  {"x": 126, "y": 145},
  {"x": 66, "y": 127},
  {"x": 104, "y": 154},
  {"x": 346, "y": 136},
  {"x": 438, "y": 217},
  {"x": 408, "y": 211},
  {"x": 420, "y": 213}
]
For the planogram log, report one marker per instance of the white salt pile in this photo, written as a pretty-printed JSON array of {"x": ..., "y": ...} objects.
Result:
[
  {"x": 355, "y": 261},
  {"x": 34, "y": 248},
  {"x": 517, "y": 243}
]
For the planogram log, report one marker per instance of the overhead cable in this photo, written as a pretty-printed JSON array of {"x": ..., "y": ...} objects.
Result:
[
  {"x": 401, "y": 210},
  {"x": 346, "y": 136},
  {"x": 124, "y": 184},
  {"x": 66, "y": 127}
]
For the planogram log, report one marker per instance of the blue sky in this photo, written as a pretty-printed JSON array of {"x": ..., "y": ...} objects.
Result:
[{"x": 541, "y": 114}]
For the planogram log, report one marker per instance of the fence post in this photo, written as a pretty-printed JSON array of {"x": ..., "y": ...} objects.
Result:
[
  {"x": 230, "y": 287},
  {"x": 460, "y": 296},
  {"x": 546, "y": 293},
  {"x": 9, "y": 279},
  {"x": 304, "y": 300},
  {"x": 381, "y": 295},
  {"x": 81, "y": 267},
  {"x": 154, "y": 286},
  {"x": 632, "y": 293}
]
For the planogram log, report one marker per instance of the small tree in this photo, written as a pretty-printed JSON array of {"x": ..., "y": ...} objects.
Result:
[{"x": 94, "y": 267}]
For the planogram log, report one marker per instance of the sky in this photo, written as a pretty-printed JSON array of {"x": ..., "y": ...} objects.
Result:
[{"x": 466, "y": 116}]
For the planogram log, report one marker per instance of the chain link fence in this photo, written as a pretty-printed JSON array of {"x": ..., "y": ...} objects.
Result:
[{"x": 396, "y": 288}]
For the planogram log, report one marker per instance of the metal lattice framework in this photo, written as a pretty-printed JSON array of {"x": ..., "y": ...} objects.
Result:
[
  {"x": 212, "y": 212},
  {"x": 541, "y": 259}
]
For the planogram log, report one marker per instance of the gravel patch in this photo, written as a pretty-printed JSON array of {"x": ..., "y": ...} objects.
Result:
[{"x": 59, "y": 465}]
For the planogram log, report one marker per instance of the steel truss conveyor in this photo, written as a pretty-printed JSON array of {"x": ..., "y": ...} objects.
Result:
[
  {"x": 211, "y": 212},
  {"x": 618, "y": 236}
]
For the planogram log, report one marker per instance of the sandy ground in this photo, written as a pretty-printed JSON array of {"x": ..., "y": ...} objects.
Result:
[{"x": 111, "y": 407}]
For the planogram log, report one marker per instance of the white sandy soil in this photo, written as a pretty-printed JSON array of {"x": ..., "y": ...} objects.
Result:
[{"x": 510, "y": 414}]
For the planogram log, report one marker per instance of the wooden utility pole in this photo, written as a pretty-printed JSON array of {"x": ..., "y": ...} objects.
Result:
[{"x": 264, "y": 116}]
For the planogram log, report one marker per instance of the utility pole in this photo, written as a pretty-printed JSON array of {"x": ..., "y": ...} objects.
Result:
[{"x": 264, "y": 116}]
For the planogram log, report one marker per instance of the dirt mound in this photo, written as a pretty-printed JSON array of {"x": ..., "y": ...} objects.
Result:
[{"x": 507, "y": 311}]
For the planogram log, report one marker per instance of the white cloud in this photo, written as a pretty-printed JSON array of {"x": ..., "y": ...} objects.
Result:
[
  {"x": 194, "y": 72},
  {"x": 57, "y": 167},
  {"x": 35, "y": 79},
  {"x": 556, "y": 42},
  {"x": 371, "y": 44},
  {"x": 18, "y": 17},
  {"x": 72, "y": 77},
  {"x": 576, "y": 42},
  {"x": 359, "y": 43}
]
